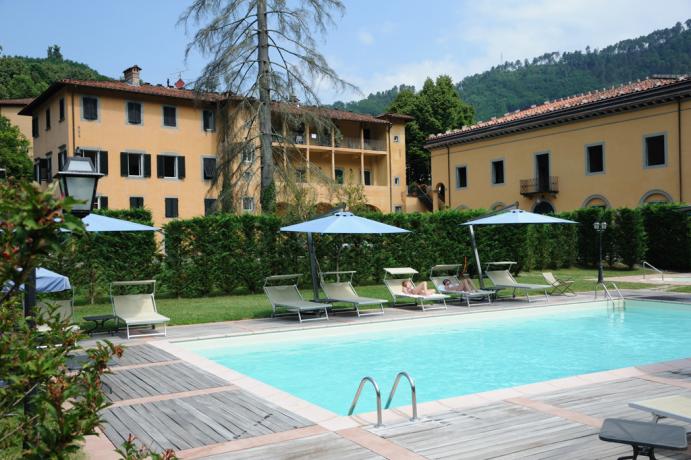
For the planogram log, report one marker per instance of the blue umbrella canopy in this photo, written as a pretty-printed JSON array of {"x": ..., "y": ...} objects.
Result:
[
  {"x": 49, "y": 281},
  {"x": 518, "y": 216},
  {"x": 343, "y": 222},
  {"x": 98, "y": 223}
]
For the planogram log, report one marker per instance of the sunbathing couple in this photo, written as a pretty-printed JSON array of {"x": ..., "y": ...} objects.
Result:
[{"x": 466, "y": 285}]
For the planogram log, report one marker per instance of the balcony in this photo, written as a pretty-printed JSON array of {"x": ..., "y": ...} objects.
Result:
[
  {"x": 537, "y": 185},
  {"x": 349, "y": 143},
  {"x": 375, "y": 144}
]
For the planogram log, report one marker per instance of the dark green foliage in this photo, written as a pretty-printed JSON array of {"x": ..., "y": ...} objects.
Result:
[
  {"x": 28, "y": 77},
  {"x": 669, "y": 236},
  {"x": 93, "y": 260},
  {"x": 630, "y": 236},
  {"x": 519, "y": 84},
  {"x": 374, "y": 103},
  {"x": 14, "y": 151},
  {"x": 436, "y": 108}
]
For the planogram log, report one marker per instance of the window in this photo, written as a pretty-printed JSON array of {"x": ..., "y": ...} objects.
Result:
[
  {"x": 99, "y": 159},
  {"x": 209, "y": 206},
  {"x": 595, "y": 159},
  {"x": 461, "y": 176},
  {"x": 367, "y": 134},
  {"x": 135, "y": 164},
  {"x": 655, "y": 150},
  {"x": 339, "y": 175},
  {"x": 34, "y": 126},
  {"x": 61, "y": 111},
  {"x": 171, "y": 207},
  {"x": 62, "y": 157},
  {"x": 169, "y": 116},
  {"x": 89, "y": 108},
  {"x": 47, "y": 119},
  {"x": 248, "y": 154},
  {"x": 247, "y": 203},
  {"x": 134, "y": 113},
  {"x": 209, "y": 168},
  {"x": 498, "y": 172},
  {"x": 43, "y": 168},
  {"x": 101, "y": 202},
  {"x": 209, "y": 120},
  {"x": 397, "y": 180},
  {"x": 368, "y": 177},
  {"x": 170, "y": 166},
  {"x": 49, "y": 167},
  {"x": 396, "y": 139},
  {"x": 398, "y": 208},
  {"x": 136, "y": 202}
]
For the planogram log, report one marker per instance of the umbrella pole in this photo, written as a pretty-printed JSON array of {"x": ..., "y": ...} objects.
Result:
[
  {"x": 313, "y": 266},
  {"x": 477, "y": 256}
]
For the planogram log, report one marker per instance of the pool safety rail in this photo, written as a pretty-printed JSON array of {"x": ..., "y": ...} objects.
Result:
[
  {"x": 607, "y": 292},
  {"x": 391, "y": 395},
  {"x": 649, "y": 266}
]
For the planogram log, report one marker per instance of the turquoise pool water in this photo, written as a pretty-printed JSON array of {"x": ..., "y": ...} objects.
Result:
[{"x": 453, "y": 356}]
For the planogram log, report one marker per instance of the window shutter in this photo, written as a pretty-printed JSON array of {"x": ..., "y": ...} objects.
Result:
[
  {"x": 159, "y": 166},
  {"x": 103, "y": 162},
  {"x": 181, "y": 167},
  {"x": 123, "y": 164},
  {"x": 175, "y": 207},
  {"x": 147, "y": 164},
  {"x": 49, "y": 170},
  {"x": 104, "y": 202}
]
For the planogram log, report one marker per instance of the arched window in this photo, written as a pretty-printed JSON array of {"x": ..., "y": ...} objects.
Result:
[
  {"x": 543, "y": 207},
  {"x": 441, "y": 192},
  {"x": 596, "y": 201},
  {"x": 655, "y": 196},
  {"x": 496, "y": 206}
]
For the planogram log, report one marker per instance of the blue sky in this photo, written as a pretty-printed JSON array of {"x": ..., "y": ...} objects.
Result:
[{"x": 376, "y": 44}]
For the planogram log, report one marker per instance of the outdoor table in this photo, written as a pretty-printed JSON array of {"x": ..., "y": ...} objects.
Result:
[
  {"x": 644, "y": 437},
  {"x": 99, "y": 324}
]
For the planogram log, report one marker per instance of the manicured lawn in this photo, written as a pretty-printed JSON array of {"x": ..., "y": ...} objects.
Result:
[{"x": 229, "y": 308}]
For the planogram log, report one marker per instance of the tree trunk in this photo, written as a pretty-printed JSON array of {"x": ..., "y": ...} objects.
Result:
[{"x": 268, "y": 199}]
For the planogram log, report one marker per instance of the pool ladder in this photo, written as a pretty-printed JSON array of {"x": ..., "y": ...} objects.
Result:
[
  {"x": 391, "y": 395},
  {"x": 607, "y": 293}
]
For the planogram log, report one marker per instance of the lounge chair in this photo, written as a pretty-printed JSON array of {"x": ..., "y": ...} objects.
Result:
[
  {"x": 63, "y": 307},
  {"x": 559, "y": 285},
  {"x": 451, "y": 272},
  {"x": 643, "y": 437},
  {"x": 287, "y": 296},
  {"x": 342, "y": 290},
  {"x": 395, "y": 287},
  {"x": 136, "y": 310},
  {"x": 502, "y": 279},
  {"x": 676, "y": 407}
]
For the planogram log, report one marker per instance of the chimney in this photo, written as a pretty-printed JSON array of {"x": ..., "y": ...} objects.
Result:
[
  {"x": 132, "y": 75},
  {"x": 180, "y": 84}
]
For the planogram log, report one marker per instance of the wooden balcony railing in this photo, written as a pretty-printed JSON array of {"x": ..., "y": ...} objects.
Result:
[{"x": 539, "y": 185}]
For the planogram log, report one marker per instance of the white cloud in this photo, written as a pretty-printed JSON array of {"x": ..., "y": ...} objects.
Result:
[{"x": 365, "y": 37}]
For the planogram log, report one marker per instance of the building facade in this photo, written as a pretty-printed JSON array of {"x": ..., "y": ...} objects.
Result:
[
  {"x": 10, "y": 108},
  {"x": 157, "y": 147},
  {"x": 619, "y": 147}
]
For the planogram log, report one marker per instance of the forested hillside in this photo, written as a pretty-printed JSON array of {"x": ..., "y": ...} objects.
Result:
[
  {"x": 27, "y": 77},
  {"x": 519, "y": 84},
  {"x": 375, "y": 103}
]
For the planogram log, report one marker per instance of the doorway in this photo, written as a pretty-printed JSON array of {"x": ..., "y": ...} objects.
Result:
[
  {"x": 542, "y": 171},
  {"x": 543, "y": 207}
]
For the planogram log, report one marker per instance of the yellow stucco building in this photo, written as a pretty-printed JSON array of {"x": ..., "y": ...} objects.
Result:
[
  {"x": 157, "y": 147},
  {"x": 618, "y": 147},
  {"x": 10, "y": 108}
]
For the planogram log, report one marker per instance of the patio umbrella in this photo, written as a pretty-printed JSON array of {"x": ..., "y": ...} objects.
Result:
[
  {"x": 98, "y": 223},
  {"x": 339, "y": 222},
  {"x": 512, "y": 217},
  {"x": 49, "y": 281}
]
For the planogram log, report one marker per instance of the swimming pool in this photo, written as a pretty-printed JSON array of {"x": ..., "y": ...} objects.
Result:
[{"x": 455, "y": 355}]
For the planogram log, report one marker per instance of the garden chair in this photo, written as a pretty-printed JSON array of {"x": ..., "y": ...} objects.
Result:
[
  {"x": 137, "y": 310},
  {"x": 559, "y": 285}
]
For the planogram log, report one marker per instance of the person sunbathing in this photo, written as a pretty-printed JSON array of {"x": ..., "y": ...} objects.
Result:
[
  {"x": 420, "y": 289},
  {"x": 465, "y": 285}
]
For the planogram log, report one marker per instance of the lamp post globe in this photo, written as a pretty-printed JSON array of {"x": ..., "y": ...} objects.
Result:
[
  {"x": 600, "y": 228},
  {"x": 79, "y": 179}
]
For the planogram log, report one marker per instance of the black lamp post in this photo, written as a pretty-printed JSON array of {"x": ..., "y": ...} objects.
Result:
[
  {"x": 79, "y": 180},
  {"x": 600, "y": 228}
]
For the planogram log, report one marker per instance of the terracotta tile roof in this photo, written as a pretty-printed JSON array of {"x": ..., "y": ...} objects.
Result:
[
  {"x": 19, "y": 102},
  {"x": 152, "y": 90},
  {"x": 333, "y": 113},
  {"x": 396, "y": 116},
  {"x": 571, "y": 103}
]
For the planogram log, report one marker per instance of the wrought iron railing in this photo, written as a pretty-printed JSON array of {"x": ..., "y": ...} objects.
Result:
[{"x": 540, "y": 185}]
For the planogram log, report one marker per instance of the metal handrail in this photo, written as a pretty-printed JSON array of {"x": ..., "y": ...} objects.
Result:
[
  {"x": 618, "y": 291},
  {"x": 412, "y": 391},
  {"x": 649, "y": 265},
  {"x": 357, "y": 397},
  {"x": 604, "y": 287}
]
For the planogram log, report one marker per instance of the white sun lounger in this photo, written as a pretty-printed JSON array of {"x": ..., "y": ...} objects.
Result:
[
  {"x": 342, "y": 290},
  {"x": 136, "y": 310},
  {"x": 395, "y": 287},
  {"x": 439, "y": 273},
  {"x": 63, "y": 307},
  {"x": 676, "y": 407},
  {"x": 287, "y": 296},
  {"x": 502, "y": 279}
]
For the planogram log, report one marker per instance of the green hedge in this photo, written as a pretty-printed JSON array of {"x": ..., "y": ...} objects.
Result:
[{"x": 93, "y": 260}]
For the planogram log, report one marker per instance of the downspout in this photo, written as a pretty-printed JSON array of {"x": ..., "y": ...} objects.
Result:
[
  {"x": 448, "y": 176},
  {"x": 388, "y": 145},
  {"x": 681, "y": 175},
  {"x": 74, "y": 137}
]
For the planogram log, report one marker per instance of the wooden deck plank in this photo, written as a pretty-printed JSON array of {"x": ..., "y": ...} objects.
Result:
[{"x": 140, "y": 354}]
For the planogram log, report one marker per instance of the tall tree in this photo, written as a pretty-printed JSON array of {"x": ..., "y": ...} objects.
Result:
[
  {"x": 263, "y": 53},
  {"x": 436, "y": 108},
  {"x": 14, "y": 151}
]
